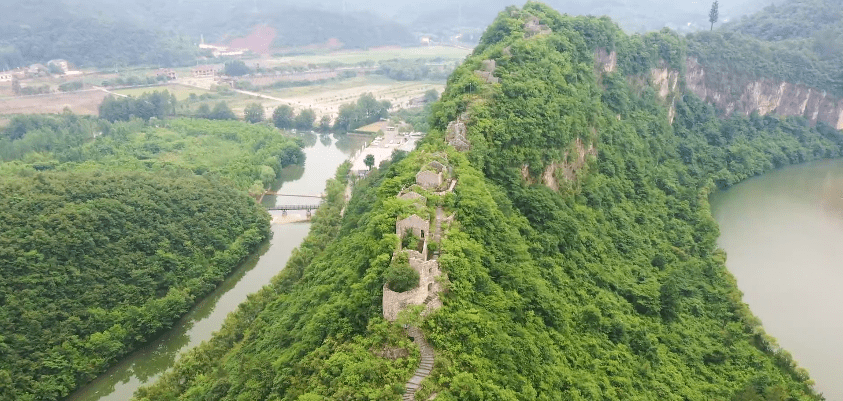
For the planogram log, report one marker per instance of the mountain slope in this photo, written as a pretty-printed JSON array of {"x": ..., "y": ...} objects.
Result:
[{"x": 581, "y": 263}]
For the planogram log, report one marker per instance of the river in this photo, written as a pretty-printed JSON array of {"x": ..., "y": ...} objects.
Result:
[
  {"x": 324, "y": 153},
  {"x": 783, "y": 234}
]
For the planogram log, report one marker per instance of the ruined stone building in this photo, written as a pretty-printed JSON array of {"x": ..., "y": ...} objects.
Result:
[
  {"x": 428, "y": 179},
  {"x": 415, "y": 224}
]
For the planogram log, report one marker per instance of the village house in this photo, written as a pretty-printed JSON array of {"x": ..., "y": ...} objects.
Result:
[
  {"x": 204, "y": 71},
  {"x": 37, "y": 69},
  {"x": 63, "y": 65},
  {"x": 6, "y": 76},
  {"x": 167, "y": 73}
]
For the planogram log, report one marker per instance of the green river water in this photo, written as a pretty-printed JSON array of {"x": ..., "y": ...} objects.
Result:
[{"x": 783, "y": 234}]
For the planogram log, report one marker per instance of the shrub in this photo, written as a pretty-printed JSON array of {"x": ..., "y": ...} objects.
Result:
[{"x": 400, "y": 277}]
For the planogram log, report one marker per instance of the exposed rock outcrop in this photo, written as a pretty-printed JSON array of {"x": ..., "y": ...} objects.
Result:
[
  {"x": 606, "y": 61},
  {"x": 666, "y": 81},
  {"x": 570, "y": 168},
  {"x": 766, "y": 96}
]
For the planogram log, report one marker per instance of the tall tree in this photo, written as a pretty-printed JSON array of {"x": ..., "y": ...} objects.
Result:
[
  {"x": 713, "y": 14},
  {"x": 253, "y": 113},
  {"x": 305, "y": 119},
  {"x": 236, "y": 68},
  {"x": 325, "y": 123},
  {"x": 222, "y": 112},
  {"x": 282, "y": 117},
  {"x": 369, "y": 161}
]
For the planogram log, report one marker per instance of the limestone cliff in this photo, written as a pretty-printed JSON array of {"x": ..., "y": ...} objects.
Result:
[
  {"x": 762, "y": 95},
  {"x": 766, "y": 96}
]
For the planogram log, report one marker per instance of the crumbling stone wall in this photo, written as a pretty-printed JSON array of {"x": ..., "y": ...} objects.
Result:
[
  {"x": 395, "y": 302},
  {"x": 417, "y": 225}
]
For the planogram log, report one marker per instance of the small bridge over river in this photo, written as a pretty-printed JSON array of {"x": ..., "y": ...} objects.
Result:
[{"x": 285, "y": 208}]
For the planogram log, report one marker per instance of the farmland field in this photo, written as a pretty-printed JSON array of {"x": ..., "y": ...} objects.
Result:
[
  {"x": 181, "y": 92},
  {"x": 81, "y": 102},
  {"x": 327, "y": 98},
  {"x": 379, "y": 54}
]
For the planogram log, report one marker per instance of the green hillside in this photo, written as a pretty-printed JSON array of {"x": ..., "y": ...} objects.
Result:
[
  {"x": 108, "y": 34},
  {"x": 800, "y": 42},
  {"x": 582, "y": 261},
  {"x": 31, "y": 34},
  {"x": 108, "y": 241}
]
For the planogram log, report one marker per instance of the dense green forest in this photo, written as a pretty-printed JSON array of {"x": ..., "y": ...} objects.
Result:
[
  {"x": 582, "y": 264},
  {"x": 247, "y": 157},
  {"x": 112, "y": 231},
  {"x": 29, "y": 34},
  {"x": 96, "y": 263}
]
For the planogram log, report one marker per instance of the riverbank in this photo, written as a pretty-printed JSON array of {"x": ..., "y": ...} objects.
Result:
[
  {"x": 144, "y": 366},
  {"x": 290, "y": 217},
  {"x": 782, "y": 233}
]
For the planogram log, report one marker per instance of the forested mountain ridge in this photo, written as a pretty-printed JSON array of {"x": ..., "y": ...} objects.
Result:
[
  {"x": 165, "y": 34},
  {"x": 582, "y": 261},
  {"x": 786, "y": 59}
]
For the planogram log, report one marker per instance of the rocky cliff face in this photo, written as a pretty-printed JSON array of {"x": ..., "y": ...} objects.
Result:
[
  {"x": 764, "y": 95},
  {"x": 767, "y": 96}
]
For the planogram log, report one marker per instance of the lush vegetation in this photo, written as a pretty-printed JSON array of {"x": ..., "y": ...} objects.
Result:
[
  {"x": 248, "y": 157},
  {"x": 113, "y": 230},
  {"x": 400, "y": 277},
  {"x": 602, "y": 281},
  {"x": 146, "y": 106},
  {"x": 95, "y": 263},
  {"x": 31, "y": 35},
  {"x": 799, "y": 42},
  {"x": 365, "y": 111},
  {"x": 415, "y": 70}
]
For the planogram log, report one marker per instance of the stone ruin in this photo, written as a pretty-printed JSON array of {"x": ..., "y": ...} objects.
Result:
[
  {"x": 414, "y": 224},
  {"x": 487, "y": 72},
  {"x": 534, "y": 27},
  {"x": 428, "y": 179},
  {"x": 427, "y": 292},
  {"x": 455, "y": 135},
  {"x": 413, "y": 195}
]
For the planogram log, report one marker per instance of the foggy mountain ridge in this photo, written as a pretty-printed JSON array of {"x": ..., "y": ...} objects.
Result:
[{"x": 107, "y": 32}]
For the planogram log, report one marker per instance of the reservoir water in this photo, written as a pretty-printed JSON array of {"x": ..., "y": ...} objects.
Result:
[
  {"x": 323, "y": 155},
  {"x": 783, "y": 234}
]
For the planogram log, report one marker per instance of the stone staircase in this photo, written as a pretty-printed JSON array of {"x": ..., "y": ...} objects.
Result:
[{"x": 425, "y": 366}]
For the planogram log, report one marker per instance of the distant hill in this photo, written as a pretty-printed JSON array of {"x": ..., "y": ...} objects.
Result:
[
  {"x": 104, "y": 33},
  {"x": 297, "y": 23},
  {"x": 29, "y": 35},
  {"x": 799, "y": 19}
]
